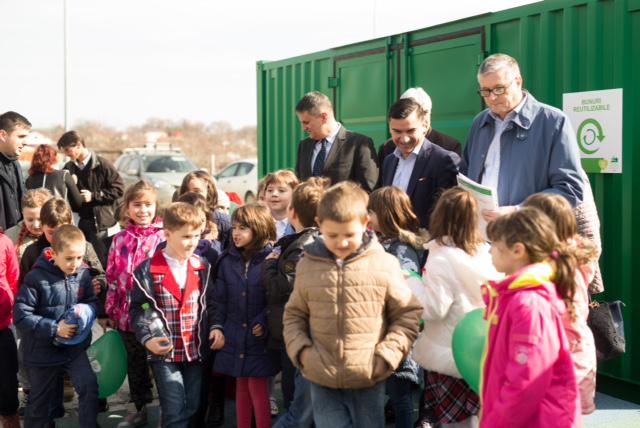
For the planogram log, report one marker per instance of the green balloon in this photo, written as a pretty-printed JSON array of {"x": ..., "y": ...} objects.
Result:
[
  {"x": 469, "y": 339},
  {"x": 108, "y": 358}
]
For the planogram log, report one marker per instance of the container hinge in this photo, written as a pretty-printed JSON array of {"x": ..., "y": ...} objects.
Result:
[{"x": 333, "y": 82}]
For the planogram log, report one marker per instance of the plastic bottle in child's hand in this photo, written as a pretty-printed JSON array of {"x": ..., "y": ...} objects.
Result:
[{"x": 156, "y": 328}]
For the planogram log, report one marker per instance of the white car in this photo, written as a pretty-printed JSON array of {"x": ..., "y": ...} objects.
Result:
[{"x": 240, "y": 177}]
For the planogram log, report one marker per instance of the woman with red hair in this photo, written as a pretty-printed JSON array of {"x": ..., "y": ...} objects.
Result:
[{"x": 43, "y": 173}]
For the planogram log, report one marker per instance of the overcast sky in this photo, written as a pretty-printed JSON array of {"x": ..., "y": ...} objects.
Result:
[{"x": 130, "y": 60}]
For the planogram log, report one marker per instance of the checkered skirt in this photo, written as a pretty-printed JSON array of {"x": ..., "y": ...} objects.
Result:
[{"x": 451, "y": 399}]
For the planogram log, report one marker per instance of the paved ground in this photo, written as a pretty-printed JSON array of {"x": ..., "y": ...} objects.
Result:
[{"x": 611, "y": 413}]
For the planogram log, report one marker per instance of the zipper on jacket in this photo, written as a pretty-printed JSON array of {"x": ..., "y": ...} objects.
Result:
[
  {"x": 340, "y": 295},
  {"x": 246, "y": 269}
]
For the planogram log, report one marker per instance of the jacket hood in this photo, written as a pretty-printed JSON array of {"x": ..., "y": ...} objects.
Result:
[
  {"x": 46, "y": 263},
  {"x": 286, "y": 240},
  {"x": 417, "y": 241},
  {"x": 317, "y": 248},
  {"x": 538, "y": 277},
  {"x": 234, "y": 251}
]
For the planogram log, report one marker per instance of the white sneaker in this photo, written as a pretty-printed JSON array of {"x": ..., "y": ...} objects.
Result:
[
  {"x": 136, "y": 419},
  {"x": 274, "y": 406}
]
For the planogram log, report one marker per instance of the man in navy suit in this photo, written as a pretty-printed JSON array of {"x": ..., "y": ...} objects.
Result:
[{"x": 417, "y": 166}]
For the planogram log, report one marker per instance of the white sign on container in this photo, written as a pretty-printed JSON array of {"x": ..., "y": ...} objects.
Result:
[{"x": 596, "y": 117}]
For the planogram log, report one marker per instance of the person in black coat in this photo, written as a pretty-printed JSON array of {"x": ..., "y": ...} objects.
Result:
[
  {"x": 418, "y": 167},
  {"x": 14, "y": 130},
  {"x": 331, "y": 150},
  {"x": 100, "y": 186},
  {"x": 278, "y": 278}
]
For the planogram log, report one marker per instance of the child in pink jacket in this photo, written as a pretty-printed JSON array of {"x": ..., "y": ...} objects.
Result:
[
  {"x": 527, "y": 376},
  {"x": 130, "y": 247},
  {"x": 581, "y": 342}
]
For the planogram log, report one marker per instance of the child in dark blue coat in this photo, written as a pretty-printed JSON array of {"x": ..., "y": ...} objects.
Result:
[
  {"x": 57, "y": 282},
  {"x": 239, "y": 330}
]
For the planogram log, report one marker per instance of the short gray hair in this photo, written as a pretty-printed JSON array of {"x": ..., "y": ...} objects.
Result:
[
  {"x": 313, "y": 102},
  {"x": 421, "y": 97},
  {"x": 497, "y": 62}
]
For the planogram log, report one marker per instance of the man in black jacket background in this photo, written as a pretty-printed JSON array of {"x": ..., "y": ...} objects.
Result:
[
  {"x": 331, "y": 150},
  {"x": 14, "y": 129},
  {"x": 100, "y": 186}
]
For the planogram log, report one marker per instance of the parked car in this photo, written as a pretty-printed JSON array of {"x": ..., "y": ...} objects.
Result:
[
  {"x": 240, "y": 177},
  {"x": 163, "y": 167}
]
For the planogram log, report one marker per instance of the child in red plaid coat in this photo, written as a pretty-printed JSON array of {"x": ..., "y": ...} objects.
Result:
[{"x": 174, "y": 283}]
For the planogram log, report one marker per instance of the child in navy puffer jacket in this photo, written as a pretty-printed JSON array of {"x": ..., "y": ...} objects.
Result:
[
  {"x": 58, "y": 281},
  {"x": 239, "y": 329}
]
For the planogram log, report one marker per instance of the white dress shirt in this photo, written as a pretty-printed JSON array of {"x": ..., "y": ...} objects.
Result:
[
  {"x": 281, "y": 227},
  {"x": 331, "y": 138},
  {"x": 85, "y": 162},
  {"x": 178, "y": 269}
]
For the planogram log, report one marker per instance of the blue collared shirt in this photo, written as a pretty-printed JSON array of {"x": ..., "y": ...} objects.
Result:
[
  {"x": 492, "y": 162},
  {"x": 405, "y": 167}
]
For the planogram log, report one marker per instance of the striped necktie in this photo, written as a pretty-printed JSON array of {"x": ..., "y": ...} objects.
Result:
[{"x": 318, "y": 164}]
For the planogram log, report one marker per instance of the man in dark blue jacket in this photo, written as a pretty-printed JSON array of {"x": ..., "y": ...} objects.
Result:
[
  {"x": 417, "y": 166},
  {"x": 57, "y": 282}
]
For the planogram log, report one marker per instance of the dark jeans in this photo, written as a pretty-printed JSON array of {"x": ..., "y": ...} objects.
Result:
[
  {"x": 8, "y": 373},
  {"x": 348, "y": 408},
  {"x": 288, "y": 381},
  {"x": 399, "y": 392},
  {"x": 179, "y": 391},
  {"x": 211, "y": 392},
  {"x": 44, "y": 390}
]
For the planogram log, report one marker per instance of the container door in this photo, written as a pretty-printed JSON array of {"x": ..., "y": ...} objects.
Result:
[
  {"x": 361, "y": 87},
  {"x": 446, "y": 67}
]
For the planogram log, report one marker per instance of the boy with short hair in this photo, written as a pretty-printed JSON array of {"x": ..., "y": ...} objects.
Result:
[
  {"x": 278, "y": 278},
  {"x": 54, "y": 213},
  {"x": 29, "y": 229},
  {"x": 59, "y": 280},
  {"x": 173, "y": 283},
  {"x": 279, "y": 187},
  {"x": 351, "y": 318}
]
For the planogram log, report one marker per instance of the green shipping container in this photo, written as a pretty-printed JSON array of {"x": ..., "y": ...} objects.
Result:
[{"x": 563, "y": 46}]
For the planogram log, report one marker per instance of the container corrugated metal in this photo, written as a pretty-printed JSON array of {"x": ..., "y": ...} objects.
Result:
[{"x": 562, "y": 46}]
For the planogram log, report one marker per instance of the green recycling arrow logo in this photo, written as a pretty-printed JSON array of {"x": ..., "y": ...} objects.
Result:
[{"x": 590, "y": 136}]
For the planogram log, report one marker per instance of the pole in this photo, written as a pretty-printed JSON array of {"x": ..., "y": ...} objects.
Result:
[{"x": 67, "y": 115}]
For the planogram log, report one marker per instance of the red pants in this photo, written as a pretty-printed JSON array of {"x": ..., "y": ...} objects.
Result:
[{"x": 252, "y": 396}]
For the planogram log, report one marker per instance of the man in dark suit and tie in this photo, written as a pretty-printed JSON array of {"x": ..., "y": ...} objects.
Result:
[
  {"x": 417, "y": 166},
  {"x": 332, "y": 151}
]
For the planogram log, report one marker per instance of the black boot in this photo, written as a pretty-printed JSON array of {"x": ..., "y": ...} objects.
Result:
[{"x": 215, "y": 415}]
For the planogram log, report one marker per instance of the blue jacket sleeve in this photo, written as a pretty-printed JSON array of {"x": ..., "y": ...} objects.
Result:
[
  {"x": 25, "y": 318},
  {"x": 564, "y": 165},
  {"x": 138, "y": 298}
]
